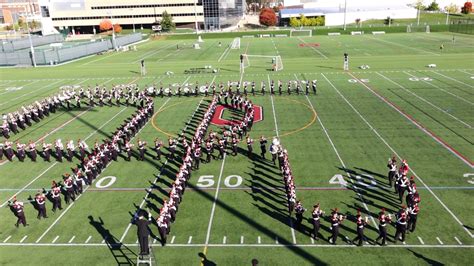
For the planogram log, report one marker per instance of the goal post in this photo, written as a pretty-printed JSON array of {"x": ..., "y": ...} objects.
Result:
[
  {"x": 267, "y": 62},
  {"x": 301, "y": 33},
  {"x": 235, "y": 43}
]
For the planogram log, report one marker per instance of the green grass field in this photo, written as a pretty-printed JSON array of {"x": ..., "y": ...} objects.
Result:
[{"x": 234, "y": 209}]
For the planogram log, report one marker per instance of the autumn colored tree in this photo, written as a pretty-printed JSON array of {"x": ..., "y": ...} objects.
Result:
[
  {"x": 117, "y": 28},
  {"x": 105, "y": 25},
  {"x": 268, "y": 17},
  {"x": 467, "y": 8}
]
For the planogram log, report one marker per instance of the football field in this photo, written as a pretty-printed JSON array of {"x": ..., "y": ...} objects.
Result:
[{"x": 235, "y": 209}]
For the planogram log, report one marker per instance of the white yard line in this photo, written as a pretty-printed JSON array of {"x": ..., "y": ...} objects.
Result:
[
  {"x": 55, "y": 239},
  {"x": 259, "y": 240},
  {"x": 6, "y": 239},
  {"x": 55, "y": 163},
  {"x": 457, "y": 240},
  {"x": 23, "y": 239},
  {"x": 155, "y": 52},
  {"x": 172, "y": 239},
  {"x": 319, "y": 52},
  {"x": 402, "y": 45},
  {"x": 424, "y": 100},
  {"x": 88, "y": 239},
  {"x": 223, "y": 53},
  {"x": 453, "y": 79},
  {"x": 342, "y": 246},
  {"x": 339, "y": 157},
  {"x": 190, "y": 239},
  {"x": 438, "y": 87},
  {"x": 214, "y": 203},
  {"x": 241, "y": 240},
  {"x": 462, "y": 71},
  {"x": 421, "y": 240},
  {"x": 439, "y": 241},
  {"x": 28, "y": 93},
  {"x": 224, "y": 239},
  {"x": 293, "y": 235},
  {"x": 417, "y": 124},
  {"x": 17, "y": 86},
  {"x": 394, "y": 152},
  {"x": 72, "y": 239}
]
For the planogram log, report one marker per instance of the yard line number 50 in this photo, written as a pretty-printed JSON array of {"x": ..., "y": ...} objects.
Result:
[{"x": 230, "y": 181}]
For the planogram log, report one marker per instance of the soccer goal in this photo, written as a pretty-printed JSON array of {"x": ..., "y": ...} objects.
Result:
[
  {"x": 424, "y": 28},
  {"x": 235, "y": 44},
  {"x": 301, "y": 33},
  {"x": 266, "y": 62}
]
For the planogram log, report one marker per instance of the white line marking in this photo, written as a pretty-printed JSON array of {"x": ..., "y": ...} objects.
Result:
[
  {"x": 28, "y": 84},
  {"x": 72, "y": 239},
  {"x": 319, "y": 52},
  {"x": 276, "y": 240},
  {"x": 457, "y": 240},
  {"x": 241, "y": 239},
  {"x": 136, "y": 242},
  {"x": 339, "y": 157},
  {"x": 402, "y": 45},
  {"x": 438, "y": 87},
  {"x": 154, "y": 182},
  {"x": 439, "y": 241},
  {"x": 312, "y": 240},
  {"x": 421, "y": 240},
  {"x": 6, "y": 239},
  {"x": 224, "y": 239},
  {"x": 394, "y": 152},
  {"x": 259, "y": 240},
  {"x": 293, "y": 236},
  {"x": 23, "y": 188},
  {"x": 190, "y": 239},
  {"x": 223, "y": 53},
  {"x": 154, "y": 241},
  {"x": 55, "y": 239},
  {"x": 23, "y": 239},
  {"x": 426, "y": 101},
  {"x": 155, "y": 52},
  {"x": 172, "y": 239},
  {"x": 88, "y": 239},
  {"x": 404, "y": 243},
  {"x": 422, "y": 128},
  {"x": 460, "y": 82},
  {"x": 36, "y": 90},
  {"x": 213, "y": 209}
]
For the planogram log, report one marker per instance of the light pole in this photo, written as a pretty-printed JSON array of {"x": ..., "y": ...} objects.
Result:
[
  {"x": 345, "y": 11},
  {"x": 32, "y": 49},
  {"x": 133, "y": 20},
  {"x": 113, "y": 29},
  {"x": 447, "y": 17},
  {"x": 195, "y": 16},
  {"x": 418, "y": 17}
]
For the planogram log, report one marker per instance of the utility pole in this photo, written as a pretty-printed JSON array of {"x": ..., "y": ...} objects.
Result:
[
  {"x": 195, "y": 16},
  {"x": 418, "y": 17},
  {"x": 32, "y": 49}
]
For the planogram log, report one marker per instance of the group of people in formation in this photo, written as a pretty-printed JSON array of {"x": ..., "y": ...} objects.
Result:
[
  {"x": 92, "y": 164},
  {"x": 404, "y": 220}
]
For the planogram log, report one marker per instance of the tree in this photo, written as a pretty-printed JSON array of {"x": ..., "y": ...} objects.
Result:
[
  {"x": 268, "y": 17},
  {"x": 418, "y": 4},
  {"x": 105, "y": 25},
  {"x": 467, "y": 8},
  {"x": 117, "y": 28},
  {"x": 167, "y": 23},
  {"x": 304, "y": 20},
  {"x": 357, "y": 21},
  {"x": 451, "y": 8},
  {"x": 433, "y": 6},
  {"x": 35, "y": 24}
]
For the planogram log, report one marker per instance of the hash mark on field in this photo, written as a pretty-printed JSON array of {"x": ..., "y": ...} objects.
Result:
[
  {"x": 312, "y": 239},
  {"x": 241, "y": 239},
  {"x": 72, "y": 238},
  {"x": 404, "y": 243},
  {"x": 172, "y": 239},
  {"x": 421, "y": 240},
  {"x": 190, "y": 239},
  {"x": 453, "y": 79},
  {"x": 325, "y": 57},
  {"x": 23, "y": 239},
  {"x": 224, "y": 240},
  {"x": 154, "y": 241},
  {"x": 276, "y": 240},
  {"x": 439, "y": 240},
  {"x": 6, "y": 239},
  {"x": 55, "y": 239},
  {"x": 259, "y": 240},
  {"x": 88, "y": 239},
  {"x": 136, "y": 242},
  {"x": 457, "y": 240}
]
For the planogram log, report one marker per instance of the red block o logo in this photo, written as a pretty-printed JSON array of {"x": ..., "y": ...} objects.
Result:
[{"x": 219, "y": 121}]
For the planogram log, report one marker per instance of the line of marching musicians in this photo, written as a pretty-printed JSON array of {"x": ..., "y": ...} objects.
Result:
[
  {"x": 404, "y": 220},
  {"x": 89, "y": 169}
]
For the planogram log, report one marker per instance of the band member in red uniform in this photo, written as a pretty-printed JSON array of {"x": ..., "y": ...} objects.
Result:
[
  {"x": 361, "y": 222},
  {"x": 17, "y": 207},
  {"x": 383, "y": 220},
  {"x": 56, "y": 196},
  {"x": 412, "y": 217},
  {"x": 392, "y": 170},
  {"x": 316, "y": 216},
  {"x": 401, "y": 225},
  {"x": 40, "y": 200},
  {"x": 336, "y": 220}
]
